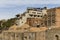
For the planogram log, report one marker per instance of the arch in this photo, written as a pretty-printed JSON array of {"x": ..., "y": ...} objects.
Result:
[{"x": 57, "y": 37}]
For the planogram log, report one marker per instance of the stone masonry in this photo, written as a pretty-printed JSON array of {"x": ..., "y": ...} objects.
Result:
[{"x": 38, "y": 24}]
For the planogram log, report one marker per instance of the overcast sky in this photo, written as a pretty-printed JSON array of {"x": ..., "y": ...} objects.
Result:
[{"x": 9, "y": 8}]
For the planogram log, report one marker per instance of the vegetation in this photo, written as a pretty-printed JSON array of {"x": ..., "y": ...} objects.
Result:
[{"x": 4, "y": 25}]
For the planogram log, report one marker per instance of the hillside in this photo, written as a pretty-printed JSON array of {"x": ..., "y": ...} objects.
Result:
[{"x": 4, "y": 25}]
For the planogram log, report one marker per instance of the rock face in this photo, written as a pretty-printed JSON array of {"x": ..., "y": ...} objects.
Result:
[{"x": 35, "y": 24}]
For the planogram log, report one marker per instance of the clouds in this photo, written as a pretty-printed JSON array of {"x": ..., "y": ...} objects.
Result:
[
  {"x": 9, "y": 8},
  {"x": 12, "y": 3}
]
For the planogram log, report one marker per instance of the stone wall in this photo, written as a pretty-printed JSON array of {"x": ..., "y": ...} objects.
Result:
[
  {"x": 23, "y": 36},
  {"x": 53, "y": 34},
  {"x": 36, "y": 21}
]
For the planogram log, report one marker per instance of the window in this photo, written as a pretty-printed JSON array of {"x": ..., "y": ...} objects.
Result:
[
  {"x": 35, "y": 15},
  {"x": 20, "y": 17},
  {"x": 41, "y": 16},
  {"x": 31, "y": 15},
  {"x": 41, "y": 23},
  {"x": 53, "y": 21},
  {"x": 38, "y": 25},
  {"x": 45, "y": 15},
  {"x": 57, "y": 37},
  {"x": 38, "y": 15},
  {"x": 25, "y": 37},
  {"x": 34, "y": 12}
]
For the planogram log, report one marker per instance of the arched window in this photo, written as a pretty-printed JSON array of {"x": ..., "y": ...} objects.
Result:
[
  {"x": 57, "y": 37},
  {"x": 38, "y": 25}
]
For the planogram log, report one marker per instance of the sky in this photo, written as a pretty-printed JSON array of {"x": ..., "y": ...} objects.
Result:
[{"x": 9, "y": 8}]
